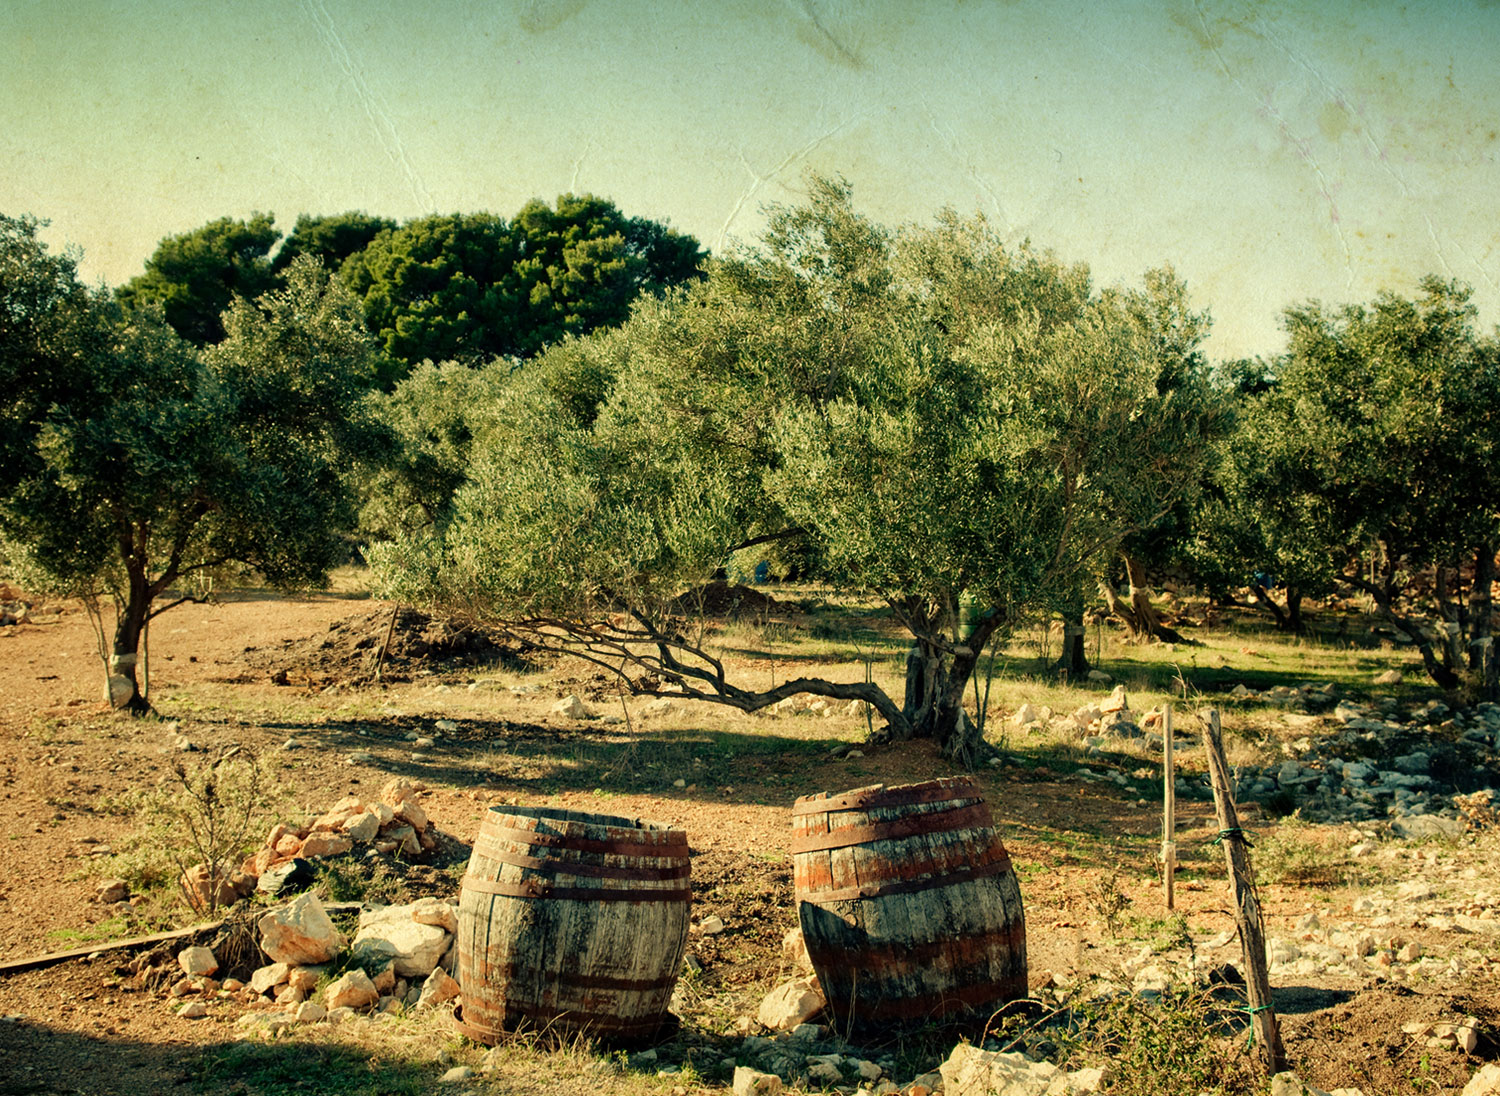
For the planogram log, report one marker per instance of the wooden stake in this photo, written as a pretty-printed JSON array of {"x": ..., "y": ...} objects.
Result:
[
  {"x": 1265, "y": 1034},
  {"x": 390, "y": 630},
  {"x": 1169, "y": 810}
]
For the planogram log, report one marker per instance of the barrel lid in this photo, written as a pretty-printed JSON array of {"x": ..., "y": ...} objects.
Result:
[
  {"x": 608, "y": 827},
  {"x": 878, "y": 795}
]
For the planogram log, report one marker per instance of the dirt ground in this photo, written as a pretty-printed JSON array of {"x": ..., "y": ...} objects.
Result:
[{"x": 256, "y": 671}]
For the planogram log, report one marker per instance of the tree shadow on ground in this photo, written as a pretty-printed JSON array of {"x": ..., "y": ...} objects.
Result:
[{"x": 41, "y": 1058}]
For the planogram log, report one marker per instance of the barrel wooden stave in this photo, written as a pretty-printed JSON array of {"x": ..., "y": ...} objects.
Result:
[
  {"x": 912, "y": 927},
  {"x": 585, "y": 938}
]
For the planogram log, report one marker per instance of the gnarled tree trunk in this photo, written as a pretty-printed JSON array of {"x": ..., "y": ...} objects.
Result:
[
  {"x": 1288, "y": 618},
  {"x": 1139, "y": 616}
]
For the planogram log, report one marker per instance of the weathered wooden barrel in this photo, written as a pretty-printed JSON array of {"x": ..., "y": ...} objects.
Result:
[
  {"x": 571, "y": 921},
  {"x": 908, "y": 903}
]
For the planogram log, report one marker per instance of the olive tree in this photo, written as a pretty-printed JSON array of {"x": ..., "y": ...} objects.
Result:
[
  {"x": 1384, "y": 435},
  {"x": 952, "y": 425},
  {"x": 150, "y": 461}
]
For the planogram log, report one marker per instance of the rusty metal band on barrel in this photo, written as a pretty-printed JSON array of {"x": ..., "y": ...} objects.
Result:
[
  {"x": 522, "y": 975},
  {"x": 483, "y": 1033},
  {"x": 910, "y": 886},
  {"x": 592, "y": 871},
  {"x": 677, "y": 846},
  {"x": 545, "y": 888},
  {"x": 973, "y": 816},
  {"x": 960, "y": 787}
]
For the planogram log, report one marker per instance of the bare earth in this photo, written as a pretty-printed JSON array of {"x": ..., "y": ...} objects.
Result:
[{"x": 88, "y": 1028}]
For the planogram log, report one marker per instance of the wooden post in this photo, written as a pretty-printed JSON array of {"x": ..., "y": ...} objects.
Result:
[
  {"x": 1169, "y": 810},
  {"x": 385, "y": 646},
  {"x": 1264, "y": 1031}
]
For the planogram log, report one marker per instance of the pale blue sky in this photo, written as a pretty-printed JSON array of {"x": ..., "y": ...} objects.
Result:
[{"x": 1270, "y": 152}]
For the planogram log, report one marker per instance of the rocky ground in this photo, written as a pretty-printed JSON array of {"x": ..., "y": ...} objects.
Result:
[{"x": 1382, "y": 896}]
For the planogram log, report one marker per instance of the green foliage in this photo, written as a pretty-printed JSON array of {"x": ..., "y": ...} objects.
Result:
[
  {"x": 331, "y": 239},
  {"x": 941, "y": 419},
  {"x": 473, "y": 287},
  {"x": 432, "y": 416},
  {"x": 1180, "y": 1044},
  {"x": 211, "y": 814},
  {"x": 1366, "y": 459},
  {"x": 193, "y": 277},
  {"x": 140, "y": 461}
]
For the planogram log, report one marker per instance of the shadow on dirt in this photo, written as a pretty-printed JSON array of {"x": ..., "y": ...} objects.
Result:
[{"x": 43, "y": 1059}]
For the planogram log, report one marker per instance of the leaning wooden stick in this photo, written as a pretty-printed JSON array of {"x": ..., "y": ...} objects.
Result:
[
  {"x": 1169, "y": 810},
  {"x": 1265, "y": 1033}
]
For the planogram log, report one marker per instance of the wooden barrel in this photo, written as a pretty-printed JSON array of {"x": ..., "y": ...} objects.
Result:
[
  {"x": 908, "y": 903},
  {"x": 571, "y": 920}
]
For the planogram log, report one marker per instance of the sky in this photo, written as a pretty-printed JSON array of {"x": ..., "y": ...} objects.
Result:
[{"x": 1271, "y": 153}]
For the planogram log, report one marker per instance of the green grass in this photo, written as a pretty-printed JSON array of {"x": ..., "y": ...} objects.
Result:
[
  {"x": 113, "y": 928},
  {"x": 309, "y": 1069}
]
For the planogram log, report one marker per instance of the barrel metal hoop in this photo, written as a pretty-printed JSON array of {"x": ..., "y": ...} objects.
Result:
[
  {"x": 479, "y": 1033},
  {"x": 521, "y": 974},
  {"x": 545, "y": 888},
  {"x": 973, "y": 816},
  {"x": 676, "y": 846},
  {"x": 907, "y": 795},
  {"x": 583, "y": 868},
  {"x": 910, "y": 886}
]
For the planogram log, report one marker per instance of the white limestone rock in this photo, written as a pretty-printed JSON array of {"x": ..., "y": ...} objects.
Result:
[
  {"x": 393, "y": 931},
  {"x": 300, "y": 933},
  {"x": 791, "y": 1004},
  {"x": 970, "y": 1071}
]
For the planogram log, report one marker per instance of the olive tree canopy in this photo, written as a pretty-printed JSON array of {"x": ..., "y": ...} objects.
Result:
[
  {"x": 953, "y": 425},
  {"x": 136, "y": 461}
]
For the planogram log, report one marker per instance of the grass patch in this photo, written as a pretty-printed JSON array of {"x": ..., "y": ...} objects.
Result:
[
  {"x": 1294, "y": 854},
  {"x": 301, "y": 1069},
  {"x": 113, "y": 928},
  {"x": 1182, "y": 1044}
]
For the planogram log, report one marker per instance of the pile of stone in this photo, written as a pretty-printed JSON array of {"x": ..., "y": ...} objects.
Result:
[
  {"x": 393, "y": 823},
  {"x": 805, "y": 704},
  {"x": 1382, "y": 762},
  {"x": 401, "y": 957},
  {"x": 968, "y": 1071}
]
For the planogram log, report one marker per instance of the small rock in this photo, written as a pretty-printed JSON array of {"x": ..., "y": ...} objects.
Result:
[
  {"x": 792, "y": 1003},
  {"x": 794, "y": 949},
  {"x": 269, "y": 977},
  {"x": 362, "y": 827},
  {"x": 752, "y": 1082},
  {"x": 193, "y": 1010},
  {"x": 110, "y": 891},
  {"x": 1390, "y": 677},
  {"x": 572, "y": 708},
  {"x": 292, "y": 876},
  {"x": 446, "y": 726},
  {"x": 353, "y": 990},
  {"x": 438, "y": 988},
  {"x": 392, "y": 931},
  {"x": 456, "y": 1075},
  {"x": 197, "y": 961},
  {"x": 712, "y": 925},
  {"x": 325, "y": 844},
  {"x": 660, "y": 706},
  {"x": 300, "y": 934},
  {"x": 310, "y": 1012},
  {"x": 1484, "y": 1083}
]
